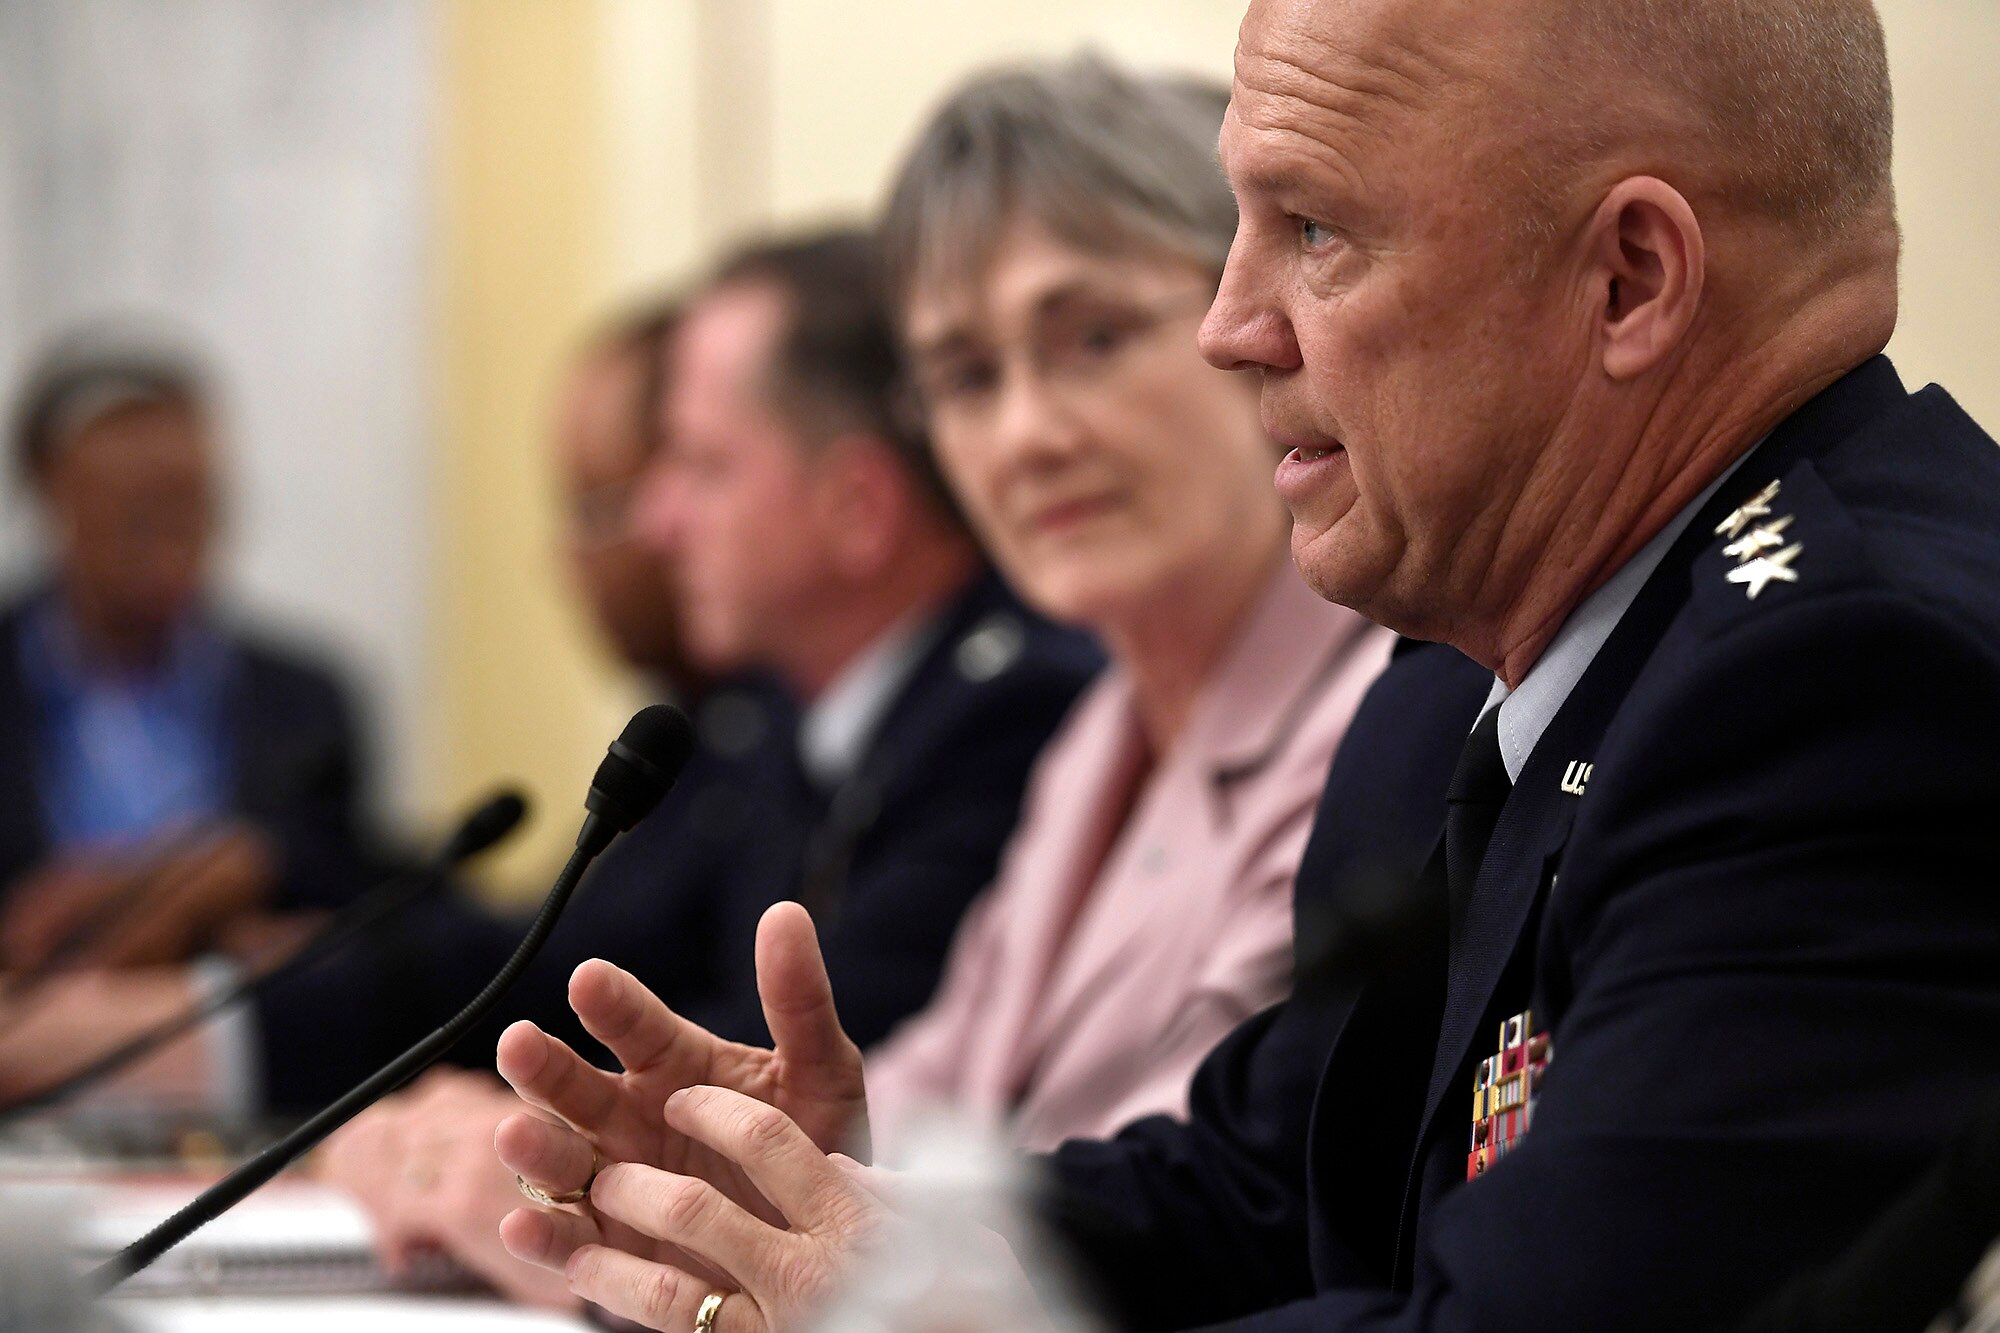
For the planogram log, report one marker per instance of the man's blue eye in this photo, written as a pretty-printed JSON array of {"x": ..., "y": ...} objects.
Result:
[{"x": 1312, "y": 234}]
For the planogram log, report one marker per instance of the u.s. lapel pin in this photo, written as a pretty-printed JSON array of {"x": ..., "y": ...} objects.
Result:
[
  {"x": 1576, "y": 777},
  {"x": 1758, "y": 506}
]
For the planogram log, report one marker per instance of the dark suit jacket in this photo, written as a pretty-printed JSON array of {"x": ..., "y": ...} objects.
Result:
[
  {"x": 295, "y": 756},
  {"x": 888, "y": 871},
  {"x": 1915, "y": 1261},
  {"x": 1765, "y": 940},
  {"x": 889, "y": 862}
]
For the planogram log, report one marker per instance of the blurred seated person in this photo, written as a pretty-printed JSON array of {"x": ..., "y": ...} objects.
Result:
[
  {"x": 164, "y": 771},
  {"x": 1053, "y": 240},
  {"x": 809, "y": 537}
]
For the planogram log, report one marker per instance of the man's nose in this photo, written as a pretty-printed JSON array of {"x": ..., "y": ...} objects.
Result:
[{"x": 1245, "y": 329}]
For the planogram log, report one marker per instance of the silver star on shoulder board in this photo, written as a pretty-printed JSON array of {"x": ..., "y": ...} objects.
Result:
[
  {"x": 1759, "y": 506},
  {"x": 1759, "y": 539},
  {"x": 1767, "y": 569}
]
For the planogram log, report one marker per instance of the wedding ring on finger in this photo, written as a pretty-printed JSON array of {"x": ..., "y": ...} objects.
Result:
[
  {"x": 711, "y": 1306},
  {"x": 536, "y": 1194}
]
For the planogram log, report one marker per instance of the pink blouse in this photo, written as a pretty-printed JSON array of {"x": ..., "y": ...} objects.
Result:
[{"x": 1074, "y": 1003}]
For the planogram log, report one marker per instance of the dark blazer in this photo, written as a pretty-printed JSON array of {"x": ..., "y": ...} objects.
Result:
[
  {"x": 1915, "y": 1261},
  {"x": 888, "y": 866},
  {"x": 295, "y": 754},
  {"x": 889, "y": 862},
  {"x": 1764, "y": 938}
]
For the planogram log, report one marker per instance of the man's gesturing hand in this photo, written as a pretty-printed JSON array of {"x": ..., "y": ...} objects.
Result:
[
  {"x": 769, "y": 1272},
  {"x": 813, "y": 1075}
]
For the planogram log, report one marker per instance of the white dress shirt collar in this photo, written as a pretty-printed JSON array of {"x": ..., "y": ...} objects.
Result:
[
  {"x": 836, "y": 730},
  {"x": 1525, "y": 713}
]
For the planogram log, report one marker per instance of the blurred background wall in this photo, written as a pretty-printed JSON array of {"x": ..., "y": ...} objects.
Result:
[{"x": 392, "y": 219}]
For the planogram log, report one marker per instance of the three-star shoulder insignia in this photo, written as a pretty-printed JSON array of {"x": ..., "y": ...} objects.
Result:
[{"x": 1750, "y": 541}]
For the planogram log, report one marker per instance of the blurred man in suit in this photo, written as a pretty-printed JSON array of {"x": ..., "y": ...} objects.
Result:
[
  {"x": 163, "y": 771},
  {"x": 1571, "y": 313},
  {"x": 811, "y": 538}
]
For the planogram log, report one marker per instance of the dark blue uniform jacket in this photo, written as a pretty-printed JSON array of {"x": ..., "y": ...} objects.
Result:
[{"x": 1765, "y": 941}]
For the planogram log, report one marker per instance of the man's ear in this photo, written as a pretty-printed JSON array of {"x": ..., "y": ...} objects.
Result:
[
  {"x": 1648, "y": 267},
  {"x": 865, "y": 503}
]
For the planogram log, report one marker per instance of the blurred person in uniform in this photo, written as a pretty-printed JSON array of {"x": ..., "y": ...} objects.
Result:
[
  {"x": 165, "y": 770},
  {"x": 1570, "y": 314},
  {"x": 810, "y": 537},
  {"x": 1053, "y": 239}
]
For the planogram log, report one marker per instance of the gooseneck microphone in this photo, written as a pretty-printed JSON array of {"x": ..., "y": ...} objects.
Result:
[
  {"x": 641, "y": 765},
  {"x": 494, "y": 819}
]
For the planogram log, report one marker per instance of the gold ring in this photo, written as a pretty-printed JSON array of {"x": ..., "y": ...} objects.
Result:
[
  {"x": 711, "y": 1305},
  {"x": 536, "y": 1194}
]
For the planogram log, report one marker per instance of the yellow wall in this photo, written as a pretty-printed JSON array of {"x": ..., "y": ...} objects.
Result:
[
  {"x": 593, "y": 148},
  {"x": 1948, "y": 183},
  {"x": 554, "y": 135}
]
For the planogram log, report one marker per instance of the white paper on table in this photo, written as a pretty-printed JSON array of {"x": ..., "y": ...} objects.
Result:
[
  {"x": 292, "y": 1236},
  {"x": 288, "y": 1215},
  {"x": 378, "y": 1314}
]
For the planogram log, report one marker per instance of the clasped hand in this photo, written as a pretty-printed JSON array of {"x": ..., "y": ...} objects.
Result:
[{"x": 718, "y": 1174}]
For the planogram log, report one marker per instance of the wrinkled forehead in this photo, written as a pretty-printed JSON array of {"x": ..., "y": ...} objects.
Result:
[{"x": 1339, "y": 79}]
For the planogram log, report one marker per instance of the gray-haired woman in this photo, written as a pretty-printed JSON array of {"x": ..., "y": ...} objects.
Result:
[{"x": 1051, "y": 244}]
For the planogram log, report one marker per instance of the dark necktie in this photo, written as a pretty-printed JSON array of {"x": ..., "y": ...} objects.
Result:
[{"x": 1479, "y": 788}]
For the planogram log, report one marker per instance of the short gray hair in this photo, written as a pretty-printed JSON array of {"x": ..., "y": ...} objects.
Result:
[{"x": 1104, "y": 159}]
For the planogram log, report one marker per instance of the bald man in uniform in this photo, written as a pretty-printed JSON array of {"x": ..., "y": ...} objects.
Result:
[{"x": 1570, "y": 314}]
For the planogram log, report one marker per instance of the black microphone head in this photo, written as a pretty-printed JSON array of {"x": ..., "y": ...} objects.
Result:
[
  {"x": 497, "y": 817},
  {"x": 640, "y": 766}
]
